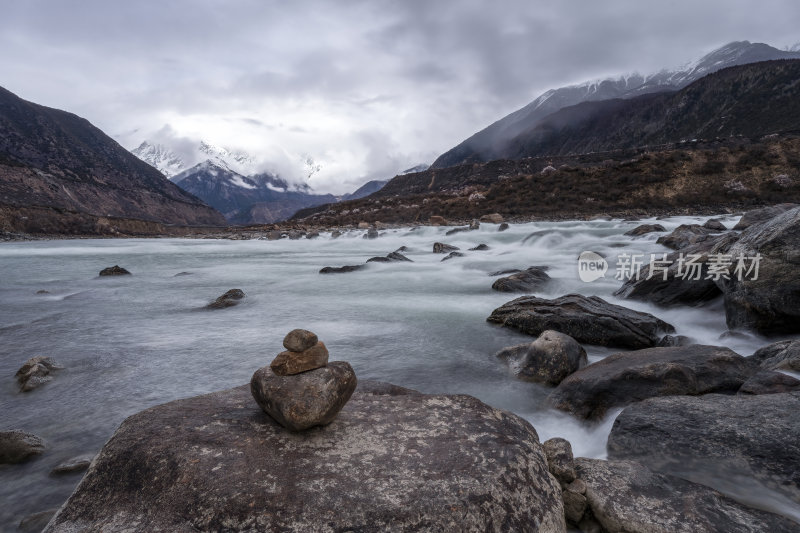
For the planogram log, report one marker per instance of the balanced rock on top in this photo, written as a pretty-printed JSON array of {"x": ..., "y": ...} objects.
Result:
[
  {"x": 299, "y": 389},
  {"x": 304, "y": 353}
]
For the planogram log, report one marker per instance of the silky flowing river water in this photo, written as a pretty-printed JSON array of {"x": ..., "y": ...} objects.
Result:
[{"x": 131, "y": 342}]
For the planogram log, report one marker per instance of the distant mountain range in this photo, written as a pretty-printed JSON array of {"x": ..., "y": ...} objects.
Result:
[
  {"x": 501, "y": 140},
  {"x": 54, "y": 159},
  {"x": 227, "y": 180}
]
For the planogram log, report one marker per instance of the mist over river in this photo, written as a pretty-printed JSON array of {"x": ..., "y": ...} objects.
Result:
[{"x": 130, "y": 342}]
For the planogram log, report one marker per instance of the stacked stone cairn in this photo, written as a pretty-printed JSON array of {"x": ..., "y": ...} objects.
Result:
[{"x": 300, "y": 389}]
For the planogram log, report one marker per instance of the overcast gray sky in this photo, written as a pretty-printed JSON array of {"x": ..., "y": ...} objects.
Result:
[{"x": 367, "y": 88}]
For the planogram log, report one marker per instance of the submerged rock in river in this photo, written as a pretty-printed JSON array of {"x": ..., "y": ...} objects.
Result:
[
  {"x": 393, "y": 460},
  {"x": 587, "y": 319},
  {"x": 629, "y": 377},
  {"x": 529, "y": 280},
  {"x": 116, "y": 270},
  {"x": 229, "y": 299},
  {"x": 35, "y": 372},
  {"x": 644, "y": 229},
  {"x": 17, "y": 446},
  {"x": 549, "y": 359}
]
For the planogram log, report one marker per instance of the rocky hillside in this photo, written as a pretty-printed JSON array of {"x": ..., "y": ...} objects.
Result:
[
  {"x": 58, "y": 160},
  {"x": 490, "y": 143},
  {"x": 691, "y": 177},
  {"x": 749, "y": 101}
]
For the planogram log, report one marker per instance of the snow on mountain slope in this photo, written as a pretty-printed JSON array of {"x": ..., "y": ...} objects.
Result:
[
  {"x": 159, "y": 156},
  {"x": 488, "y": 143}
]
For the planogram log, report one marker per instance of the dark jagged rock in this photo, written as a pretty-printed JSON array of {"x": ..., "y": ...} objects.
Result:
[
  {"x": 624, "y": 378},
  {"x": 73, "y": 466},
  {"x": 480, "y": 248},
  {"x": 116, "y": 270},
  {"x": 181, "y": 274},
  {"x": 372, "y": 233},
  {"x": 504, "y": 226},
  {"x": 757, "y": 216},
  {"x": 457, "y": 230},
  {"x": 626, "y": 496},
  {"x": 294, "y": 362},
  {"x": 644, "y": 229},
  {"x": 718, "y": 436},
  {"x": 685, "y": 235},
  {"x": 17, "y": 446},
  {"x": 452, "y": 255},
  {"x": 397, "y": 256},
  {"x": 229, "y": 299},
  {"x": 715, "y": 224},
  {"x": 549, "y": 359},
  {"x": 335, "y": 234},
  {"x": 587, "y": 319},
  {"x": 42, "y": 291},
  {"x": 529, "y": 280},
  {"x": 304, "y": 400},
  {"x": 559, "y": 460},
  {"x": 379, "y": 259},
  {"x": 341, "y": 269},
  {"x": 312, "y": 235},
  {"x": 769, "y": 382},
  {"x": 668, "y": 341},
  {"x": 783, "y": 355},
  {"x": 769, "y": 304},
  {"x": 393, "y": 460},
  {"x": 442, "y": 248},
  {"x": 299, "y": 340},
  {"x": 505, "y": 272}
]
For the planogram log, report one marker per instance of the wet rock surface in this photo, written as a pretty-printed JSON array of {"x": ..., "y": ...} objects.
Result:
[
  {"x": 769, "y": 382},
  {"x": 528, "y": 280},
  {"x": 299, "y": 340},
  {"x": 757, "y": 216},
  {"x": 17, "y": 446},
  {"x": 549, "y": 359},
  {"x": 442, "y": 248},
  {"x": 770, "y": 302},
  {"x": 229, "y": 299},
  {"x": 290, "y": 362},
  {"x": 341, "y": 269},
  {"x": 452, "y": 255},
  {"x": 394, "y": 460},
  {"x": 782, "y": 355},
  {"x": 687, "y": 280},
  {"x": 115, "y": 270},
  {"x": 685, "y": 235},
  {"x": 587, "y": 319},
  {"x": 645, "y": 229},
  {"x": 35, "y": 373},
  {"x": 624, "y": 378},
  {"x": 73, "y": 466},
  {"x": 625, "y": 496},
  {"x": 717, "y": 437}
]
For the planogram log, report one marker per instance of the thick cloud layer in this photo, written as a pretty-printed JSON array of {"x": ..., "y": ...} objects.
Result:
[{"x": 367, "y": 88}]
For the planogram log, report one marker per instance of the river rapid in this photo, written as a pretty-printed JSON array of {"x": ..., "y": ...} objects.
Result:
[{"x": 131, "y": 342}]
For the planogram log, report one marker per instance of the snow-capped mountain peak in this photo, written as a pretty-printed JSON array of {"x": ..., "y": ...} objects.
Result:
[
  {"x": 160, "y": 157},
  {"x": 236, "y": 161}
]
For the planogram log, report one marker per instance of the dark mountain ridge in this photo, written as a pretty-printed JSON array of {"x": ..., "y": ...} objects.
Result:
[
  {"x": 491, "y": 142},
  {"x": 56, "y": 159}
]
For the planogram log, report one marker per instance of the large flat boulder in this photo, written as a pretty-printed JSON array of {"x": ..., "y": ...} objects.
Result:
[
  {"x": 770, "y": 303},
  {"x": 717, "y": 437},
  {"x": 393, "y": 460},
  {"x": 587, "y": 319},
  {"x": 624, "y": 378},
  {"x": 625, "y": 496}
]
